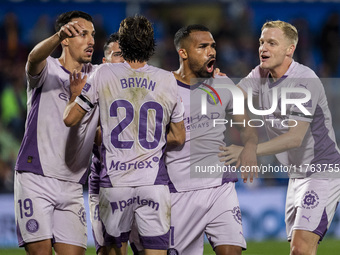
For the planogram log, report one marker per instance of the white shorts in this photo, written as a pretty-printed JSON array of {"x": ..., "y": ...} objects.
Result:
[
  {"x": 214, "y": 212},
  {"x": 96, "y": 223},
  {"x": 47, "y": 208},
  {"x": 311, "y": 204},
  {"x": 148, "y": 206}
]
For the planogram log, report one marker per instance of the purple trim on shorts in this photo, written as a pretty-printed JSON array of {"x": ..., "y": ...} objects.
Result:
[
  {"x": 134, "y": 249},
  {"x": 21, "y": 242},
  {"x": 227, "y": 180},
  {"x": 125, "y": 236},
  {"x": 28, "y": 156},
  {"x": 156, "y": 242},
  {"x": 110, "y": 240},
  {"x": 162, "y": 175},
  {"x": 97, "y": 245},
  {"x": 325, "y": 151},
  {"x": 322, "y": 228}
]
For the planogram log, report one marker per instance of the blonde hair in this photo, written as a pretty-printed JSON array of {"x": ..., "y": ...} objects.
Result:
[{"x": 288, "y": 29}]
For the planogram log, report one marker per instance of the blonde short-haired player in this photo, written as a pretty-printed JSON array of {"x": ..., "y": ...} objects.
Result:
[{"x": 305, "y": 142}]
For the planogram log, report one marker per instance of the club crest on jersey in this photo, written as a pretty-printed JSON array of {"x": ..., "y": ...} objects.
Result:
[
  {"x": 82, "y": 216},
  {"x": 310, "y": 200},
  {"x": 213, "y": 97},
  {"x": 237, "y": 214},
  {"x": 172, "y": 251},
  {"x": 86, "y": 87},
  {"x": 32, "y": 226}
]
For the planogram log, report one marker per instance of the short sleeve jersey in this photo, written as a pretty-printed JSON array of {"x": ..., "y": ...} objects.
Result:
[
  {"x": 188, "y": 164},
  {"x": 136, "y": 105},
  {"x": 319, "y": 144},
  {"x": 49, "y": 148}
]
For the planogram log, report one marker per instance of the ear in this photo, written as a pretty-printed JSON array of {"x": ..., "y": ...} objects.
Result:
[
  {"x": 183, "y": 53},
  {"x": 290, "y": 50},
  {"x": 104, "y": 60},
  {"x": 65, "y": 42}
]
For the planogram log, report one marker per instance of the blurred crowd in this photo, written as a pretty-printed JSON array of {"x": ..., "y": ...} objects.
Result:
[{"x": 237, "y": 53}]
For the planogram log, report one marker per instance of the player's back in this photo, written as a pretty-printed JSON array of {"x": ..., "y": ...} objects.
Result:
[{"x": 136, "y": 105}]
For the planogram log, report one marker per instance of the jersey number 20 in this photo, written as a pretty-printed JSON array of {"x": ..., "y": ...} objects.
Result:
[{"x": 142, "y": 123}]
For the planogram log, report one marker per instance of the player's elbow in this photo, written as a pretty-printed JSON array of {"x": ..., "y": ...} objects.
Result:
[
  {"x": 179, "y": 140},
  {"x": 296, "y": 142},
  {"x": 68, "y": 122}
]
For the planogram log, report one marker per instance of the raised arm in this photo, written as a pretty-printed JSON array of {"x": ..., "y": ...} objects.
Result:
[
  {"x": 73, "y": 113},
  {"x": 37, "y": 57}
]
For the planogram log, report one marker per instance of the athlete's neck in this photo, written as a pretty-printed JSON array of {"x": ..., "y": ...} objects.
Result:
[
  {"x": 70, "y": 64},
  {"x": 136, "y": 65},
  {"x": 185, "y": 76},
  {"x": 278, "y": 72}
]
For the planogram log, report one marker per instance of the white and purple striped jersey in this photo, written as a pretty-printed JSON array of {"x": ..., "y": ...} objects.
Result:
[
  {"x": 49, "y": 148},
  {"x": 189, "y": 164},
  {"x": 319, "y": 146},
  {"x": 135, "y": 106}
]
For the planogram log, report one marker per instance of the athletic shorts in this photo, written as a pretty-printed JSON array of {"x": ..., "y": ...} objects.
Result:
[
  {"x": 134, "y": 240},
  {"x": 148, "y": 206},
  {"x": 47, "y": 208},
  {"x": 311, "y": 204},
  {"x": 213, "y": 211},
  {"x": 97, "y": 225}
]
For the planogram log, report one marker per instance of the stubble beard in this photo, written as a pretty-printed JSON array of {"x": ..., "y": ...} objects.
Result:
[{"x": 201, "y": 72}]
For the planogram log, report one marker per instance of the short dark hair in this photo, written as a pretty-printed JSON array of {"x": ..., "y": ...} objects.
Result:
[
  {"x": 184, "y": 32},
  {"x": 66, "y": 17},
  {"x": 136, "y": 39},
  {"x": 113, "y": 38}
]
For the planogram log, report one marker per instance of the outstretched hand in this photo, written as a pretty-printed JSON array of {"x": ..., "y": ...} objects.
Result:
[
  {"x": 242, "y": 157},
  {"x": 77, "y": 82},
  {"x": 230, "y": 154}
]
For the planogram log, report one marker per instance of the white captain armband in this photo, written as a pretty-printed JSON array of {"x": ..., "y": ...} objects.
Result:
[{"x": 84, "y": 103}]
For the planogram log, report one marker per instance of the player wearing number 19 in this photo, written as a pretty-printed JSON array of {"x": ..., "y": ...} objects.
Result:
[
  {"x": 137, "y": 102},
  {"x": 49, "y": 204}
]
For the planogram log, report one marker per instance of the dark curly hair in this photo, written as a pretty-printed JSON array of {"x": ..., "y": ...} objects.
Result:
[
  {"x": 66, "y": 17},
  {"x": 136, "y": 39},
  {"x": 113, "y": 38},
  {"x": 184, "y": 32}
]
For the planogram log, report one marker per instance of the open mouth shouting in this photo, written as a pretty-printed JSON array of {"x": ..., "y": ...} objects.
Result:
[
  {"x": 210, "y": 65},
  {"x": 263, "y": 58}
]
